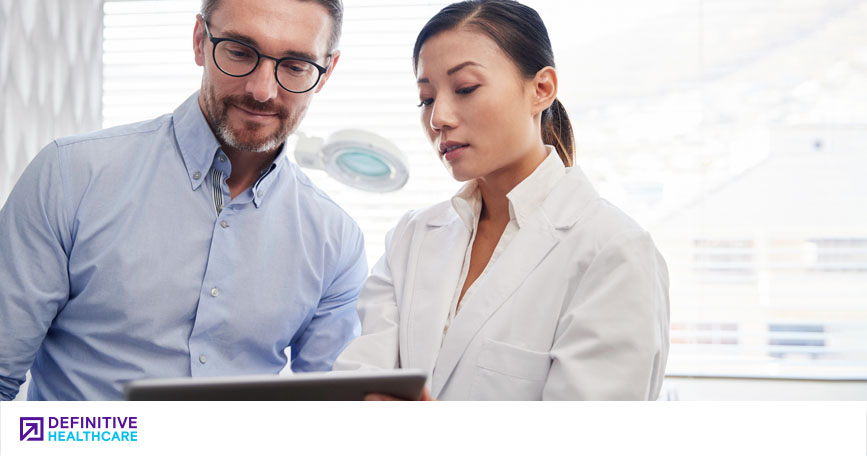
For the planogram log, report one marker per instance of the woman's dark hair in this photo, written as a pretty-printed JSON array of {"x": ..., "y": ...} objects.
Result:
[{"x": 521, "y": 34}]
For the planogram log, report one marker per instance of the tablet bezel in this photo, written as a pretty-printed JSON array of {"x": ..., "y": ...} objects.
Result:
[{"x": 308, "y": 386}]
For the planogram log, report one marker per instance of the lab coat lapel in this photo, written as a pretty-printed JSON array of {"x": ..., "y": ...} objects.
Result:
[
  {"x": 521, "y": 256},
  {"x": 440, "y": 257}
]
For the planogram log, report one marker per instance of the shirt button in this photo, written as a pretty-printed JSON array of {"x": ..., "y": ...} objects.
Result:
[
  {"x": 203, "y": 359},
  {"x": 197, "y": 175},
  {"x": 260, "y": 193},
  {"x": 215, "y": 292},
  {"x": 224, "y": 224}
]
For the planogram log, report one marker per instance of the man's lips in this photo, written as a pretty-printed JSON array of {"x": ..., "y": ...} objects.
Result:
[{"x": 255, "y": 113}]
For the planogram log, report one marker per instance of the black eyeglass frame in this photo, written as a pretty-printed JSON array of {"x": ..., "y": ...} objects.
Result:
[{"x": 215, "y": 41}]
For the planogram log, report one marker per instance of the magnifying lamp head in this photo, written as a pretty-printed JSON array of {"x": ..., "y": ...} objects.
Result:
[{"x": 357, "y": 158}]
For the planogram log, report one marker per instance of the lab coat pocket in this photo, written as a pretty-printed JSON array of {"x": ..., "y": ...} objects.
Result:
[{"x": 507, "y": 372}]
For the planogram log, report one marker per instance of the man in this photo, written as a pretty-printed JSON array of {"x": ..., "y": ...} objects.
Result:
[{"x": 187, "y": 245}]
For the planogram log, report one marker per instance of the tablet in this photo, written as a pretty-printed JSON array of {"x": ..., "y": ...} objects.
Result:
[{"x": 312, "y": 386}]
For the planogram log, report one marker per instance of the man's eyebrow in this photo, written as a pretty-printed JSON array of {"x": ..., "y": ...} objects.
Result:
[
  {"x": 453, "y": 70},
  {"x": 239, "y": 37},
  {"x": 251, "y": 42}
]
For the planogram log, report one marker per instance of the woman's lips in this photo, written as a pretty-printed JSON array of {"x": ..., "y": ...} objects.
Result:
[{"x": 455, "y": 152}]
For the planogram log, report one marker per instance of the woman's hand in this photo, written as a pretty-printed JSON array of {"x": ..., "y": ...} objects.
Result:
[{"x": 425, "y": 396}]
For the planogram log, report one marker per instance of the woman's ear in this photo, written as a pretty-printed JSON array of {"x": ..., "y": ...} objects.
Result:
[{"x": 544, "y": 89}]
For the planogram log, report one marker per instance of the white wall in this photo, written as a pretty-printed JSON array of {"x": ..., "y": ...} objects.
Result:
[{"x": 50, "y": 77}]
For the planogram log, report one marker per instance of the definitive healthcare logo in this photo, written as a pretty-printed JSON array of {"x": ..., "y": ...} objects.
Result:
[
  {"x": 31, "y": 428},
  {"x": 79, "y": 429}
]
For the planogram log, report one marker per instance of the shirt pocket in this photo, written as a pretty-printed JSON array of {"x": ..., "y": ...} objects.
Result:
[{"x": 508, "y": 372}]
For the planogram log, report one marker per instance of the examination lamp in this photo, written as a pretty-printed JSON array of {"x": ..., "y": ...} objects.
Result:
[{"x": 357, "y": 158}]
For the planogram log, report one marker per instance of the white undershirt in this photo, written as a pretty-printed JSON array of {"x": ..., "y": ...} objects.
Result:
[{"x": 524, "y": 199}]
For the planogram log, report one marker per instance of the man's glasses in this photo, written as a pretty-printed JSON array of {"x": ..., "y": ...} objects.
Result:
[{"x": 237, "y": 59}]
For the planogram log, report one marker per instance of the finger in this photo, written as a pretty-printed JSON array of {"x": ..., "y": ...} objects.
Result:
[{"x": 379, "y": 397}]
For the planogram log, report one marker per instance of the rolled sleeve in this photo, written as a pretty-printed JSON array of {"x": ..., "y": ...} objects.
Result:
[
  {"x": 379, "y": 344},
  {"x": 34, "y": 282},
  {"x": 335, "y": 322}
]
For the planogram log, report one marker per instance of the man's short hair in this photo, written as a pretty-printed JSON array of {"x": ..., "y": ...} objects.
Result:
[{"x": 334, "y": 7}]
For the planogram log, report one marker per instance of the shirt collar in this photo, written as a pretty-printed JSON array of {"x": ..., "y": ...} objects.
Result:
[
  {"x": 195, "y": 138},
  {"x": 525, "y": 198},
  {"x": 269, "y": 176},
  {"x": 528, "y": 196},
  {"x": 468, "y": 204}
]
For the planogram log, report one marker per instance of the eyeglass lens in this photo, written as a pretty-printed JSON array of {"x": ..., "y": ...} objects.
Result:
[{"x": 238, "y": 59}]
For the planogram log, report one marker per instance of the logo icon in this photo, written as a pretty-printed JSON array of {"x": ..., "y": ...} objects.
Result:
[{"x": 31, "y": 428}]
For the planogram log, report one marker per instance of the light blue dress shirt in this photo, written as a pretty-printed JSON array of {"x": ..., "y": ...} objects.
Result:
[{"x": 115, "y": 266}]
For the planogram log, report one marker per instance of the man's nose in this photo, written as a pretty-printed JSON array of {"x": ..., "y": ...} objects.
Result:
[{"x": 262, "y": 82}]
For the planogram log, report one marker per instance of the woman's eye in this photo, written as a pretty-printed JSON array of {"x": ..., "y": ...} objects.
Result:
[
  {"x": 425, "y": 102},
  {"x": 467, "y": 90}
]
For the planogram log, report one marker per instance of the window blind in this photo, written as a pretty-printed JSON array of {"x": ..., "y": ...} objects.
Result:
[{"x": 732, "y": 130}]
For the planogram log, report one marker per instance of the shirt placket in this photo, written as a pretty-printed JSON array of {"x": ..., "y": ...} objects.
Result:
[{"x": 205, "y": 356}]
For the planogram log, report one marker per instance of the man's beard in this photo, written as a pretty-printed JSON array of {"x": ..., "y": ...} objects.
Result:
[{"x": 218, "y": 118}]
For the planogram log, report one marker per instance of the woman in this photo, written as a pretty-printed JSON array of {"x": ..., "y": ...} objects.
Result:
[{"x": 526, "y": 285}]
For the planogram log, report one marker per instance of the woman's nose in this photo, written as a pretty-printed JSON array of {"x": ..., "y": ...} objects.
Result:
[{"x": 442, "y": 115}]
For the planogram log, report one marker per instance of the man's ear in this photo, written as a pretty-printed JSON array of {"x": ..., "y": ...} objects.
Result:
[
  {"x": 199, "y": 40},
  {"x": 544, "y": 89},
  {"x": 335, "y": 56}
]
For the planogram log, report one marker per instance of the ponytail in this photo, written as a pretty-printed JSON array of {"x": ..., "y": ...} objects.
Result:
[{"x": 557, "y": 132}]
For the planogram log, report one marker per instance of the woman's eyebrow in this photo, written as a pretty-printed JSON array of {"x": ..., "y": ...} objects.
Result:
[
  {"x": 453, "y": 70},
  {"x": 461, "y": 66}
]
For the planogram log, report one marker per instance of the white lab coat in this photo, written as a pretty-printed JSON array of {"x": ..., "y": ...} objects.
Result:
[{"x": 576, "y": 306}]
